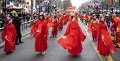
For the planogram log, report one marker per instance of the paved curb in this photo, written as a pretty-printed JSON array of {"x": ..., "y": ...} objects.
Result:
[{"x": 25, "y": 34}]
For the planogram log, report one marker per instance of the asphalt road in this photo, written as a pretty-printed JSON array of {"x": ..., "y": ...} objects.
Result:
[{"x": 25, "y": 51}]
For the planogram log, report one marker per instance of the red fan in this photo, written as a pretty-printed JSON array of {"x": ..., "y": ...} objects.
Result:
[{"x": 50, "y": 24}]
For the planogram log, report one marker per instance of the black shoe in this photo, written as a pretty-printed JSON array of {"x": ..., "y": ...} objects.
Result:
[
  {"x": 117, "y": 47},
  {"x": 9, "y": 52},
  {"x": 93, "y": 39},
  {"x": 20, "y": 42},
  {"x": 17, "y": 43},
  {"x": 34, "y": 36}
]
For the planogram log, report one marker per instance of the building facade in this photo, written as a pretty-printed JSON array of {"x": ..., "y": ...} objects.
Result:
[
  {"x": 0, "y": 6},
  {"x": 28, "y": 5},
  {"x": 17, "y": 5}
]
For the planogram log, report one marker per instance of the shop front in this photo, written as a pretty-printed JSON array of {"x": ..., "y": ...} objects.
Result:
[{"x": 10, "y": 6}]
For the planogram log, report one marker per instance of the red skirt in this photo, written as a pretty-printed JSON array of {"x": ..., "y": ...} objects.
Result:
[
  {"x": 40, "y": 43},
  {"x": 94, "y": 33},
  {"x": 54, "y": 30},
  {"x": 89, "y": 27},
  {"x": 70, "y": 43}
]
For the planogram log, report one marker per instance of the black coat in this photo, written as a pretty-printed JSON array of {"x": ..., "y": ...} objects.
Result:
[{"x": 17, "y": 23}]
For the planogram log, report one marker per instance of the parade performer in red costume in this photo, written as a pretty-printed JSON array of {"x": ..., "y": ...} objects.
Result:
[
  {"x": 55, "y": 26},
  {"x": 61, "y": 22},
  {"x": 73, "y": 38},
  {"x": 33, "y": 29},
  {"x": 47, "y": 18},
  {"x": 89, "y": 18},
  {"x": 94, "y": 26},
  {"x": 76, "y": 16},
  {"x": 41, "y": 36},
  {"x": 65, "y": 19},
  {"x": 117, "y": 29},
  {"x": 105, "y": 45},
  {"x": 9, "y": 36}
]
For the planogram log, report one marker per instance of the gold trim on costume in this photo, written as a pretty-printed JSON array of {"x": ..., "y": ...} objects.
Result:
[{"x": 117, "y": 29}]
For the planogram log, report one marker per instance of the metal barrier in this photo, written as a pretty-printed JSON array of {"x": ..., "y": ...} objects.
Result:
[
  {"x": 25, "y": 25},
  {"x": 1, "y": 34}
]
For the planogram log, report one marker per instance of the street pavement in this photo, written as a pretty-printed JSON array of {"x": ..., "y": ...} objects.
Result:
[{"x": 25, "y": 51}]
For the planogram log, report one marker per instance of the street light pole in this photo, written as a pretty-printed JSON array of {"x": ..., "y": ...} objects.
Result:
[
  {"x": 39, "y": 7},
  {"x": 119, "y": 8},
  {"x": 112, "y": 6},
  {"x": 31, "y": 9},
  {"x": 107, "y": 6},
  {"x": 102, "y": 6}
]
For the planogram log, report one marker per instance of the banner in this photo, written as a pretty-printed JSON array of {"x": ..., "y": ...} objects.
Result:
[
  {"x": 70, "y": 8},
  {"x": 111, "y": 2}
]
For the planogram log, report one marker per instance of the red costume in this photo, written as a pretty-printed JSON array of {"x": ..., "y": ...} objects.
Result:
[
  {"x": 94, "y": 27},
  {"x": 41, "y": 36},
  {"x": 50, "y": 24},
  {"x": 81, "y": 17},
  {"x": 47, "y": 19},
  {"x": 117, "y": 28},
  {"x": 105, "y": 45},
  {"x": 89, "y": 25},
  {"x": 61, "y": 23},
  {"x": 67, "y": 16},
  {"x": 65, "y": 19},
  {"x": 33, "y": 29},
  {"x": 9, "y": 37},
  {"x": 76, "y": 16},
  {"x": 50, "y": 20},
  {"x": 74, "y": 39},
  {"x": 55, "y": 27}
]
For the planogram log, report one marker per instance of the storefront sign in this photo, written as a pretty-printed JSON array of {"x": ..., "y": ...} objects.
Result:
[
  {"x": 71, "y": 8},
  {"x": 14, "y": 5}
]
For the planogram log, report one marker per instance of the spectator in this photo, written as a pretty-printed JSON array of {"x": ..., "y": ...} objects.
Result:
[{"x": 17, "y": 23}]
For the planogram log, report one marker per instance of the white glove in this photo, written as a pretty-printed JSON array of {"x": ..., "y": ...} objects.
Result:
[
  {"x": 38, "y": 30},
  {"x": 102, "y": 37},
  {"x": 63, "y": 36},
  {"x": 6, "y": 38}
]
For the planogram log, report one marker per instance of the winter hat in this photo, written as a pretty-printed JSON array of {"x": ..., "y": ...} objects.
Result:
[
  {"x": 101, "y": 15},
  {"x": 94, "y": 14},
  {"x": 35, "y": 15},
  {"x": 8, "y": 18},
  {"x": 41, "y": 13},
  {"x": 72, "y": 14}
]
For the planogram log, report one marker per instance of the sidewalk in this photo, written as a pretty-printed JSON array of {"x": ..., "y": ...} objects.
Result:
[{"x": 24, "y": 33}]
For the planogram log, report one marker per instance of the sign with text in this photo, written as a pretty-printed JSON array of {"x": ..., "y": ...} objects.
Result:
[{"x": 71, "y": 8}]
